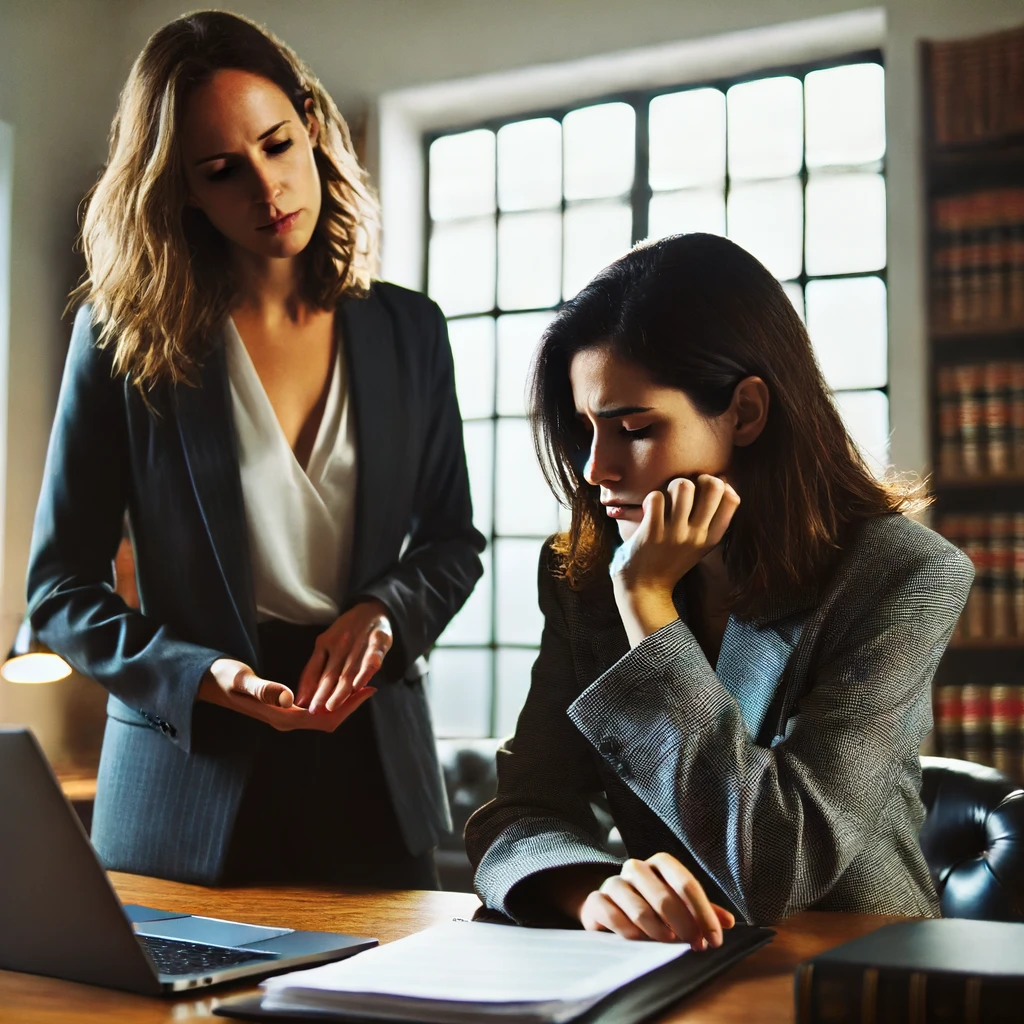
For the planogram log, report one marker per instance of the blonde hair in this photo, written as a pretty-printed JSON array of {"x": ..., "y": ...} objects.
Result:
[{"x": 158, "y": 273}]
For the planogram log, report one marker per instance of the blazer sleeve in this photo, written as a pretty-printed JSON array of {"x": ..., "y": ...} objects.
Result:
[
  {"x": 776, "y": 827},
  {"x": 441, "y": 563},
  {"x": 541, "y": 817},
  {"x": 72, "y": 605}
]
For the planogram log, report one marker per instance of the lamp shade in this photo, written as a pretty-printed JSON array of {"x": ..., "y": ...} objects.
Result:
[{"x": 31, "y": 661}]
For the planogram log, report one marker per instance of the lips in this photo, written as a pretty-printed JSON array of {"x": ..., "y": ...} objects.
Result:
[
  {"x": 620, "y": 510},
  {"x": 281, "y": 224}
]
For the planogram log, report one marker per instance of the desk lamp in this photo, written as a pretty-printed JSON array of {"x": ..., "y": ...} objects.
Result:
[{"x": 31, "y": 661}]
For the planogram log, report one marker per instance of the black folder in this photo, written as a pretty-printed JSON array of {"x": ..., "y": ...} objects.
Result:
[{"x": 630, "y": 1004}]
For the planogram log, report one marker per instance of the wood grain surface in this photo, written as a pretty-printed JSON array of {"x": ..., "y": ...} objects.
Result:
[{"x": 758, "y": 989}]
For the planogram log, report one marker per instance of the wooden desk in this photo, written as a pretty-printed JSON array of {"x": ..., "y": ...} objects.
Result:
[{"x": 759, "y": 988}]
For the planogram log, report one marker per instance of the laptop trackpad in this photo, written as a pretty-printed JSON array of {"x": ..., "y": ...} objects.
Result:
[{"x": 208, "y": 929}]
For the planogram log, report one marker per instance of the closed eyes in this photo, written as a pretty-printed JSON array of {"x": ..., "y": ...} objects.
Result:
[{"x": 227, "y": 170}]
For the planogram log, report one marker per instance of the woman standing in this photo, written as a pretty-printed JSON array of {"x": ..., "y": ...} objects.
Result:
[
  {"x": 283, "y": 433},
  {"x": 749, "y": 683}
]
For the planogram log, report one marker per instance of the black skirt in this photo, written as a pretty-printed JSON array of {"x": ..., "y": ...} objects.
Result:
[{"x": 316, "y": 808}]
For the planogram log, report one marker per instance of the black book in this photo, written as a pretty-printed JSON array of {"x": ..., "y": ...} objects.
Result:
[{"x": 922, "y": 972}]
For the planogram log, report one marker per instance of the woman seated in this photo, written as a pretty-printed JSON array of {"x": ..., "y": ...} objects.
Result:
[{"x": 740, "y": 626}]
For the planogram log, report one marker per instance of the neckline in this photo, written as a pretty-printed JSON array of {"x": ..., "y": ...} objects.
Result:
[{"x": 313, "y": 471}]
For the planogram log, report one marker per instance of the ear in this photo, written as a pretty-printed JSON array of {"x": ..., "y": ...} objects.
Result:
[
  {"x": 749, "y": 410},
  {"x": 312, "y": 124}
]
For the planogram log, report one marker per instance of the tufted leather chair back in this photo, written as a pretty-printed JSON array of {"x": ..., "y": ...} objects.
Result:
[{"x": 973, "y": 839}]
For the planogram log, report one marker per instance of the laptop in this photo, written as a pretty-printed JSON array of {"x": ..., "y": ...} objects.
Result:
[{"x": 61, "y": 917}]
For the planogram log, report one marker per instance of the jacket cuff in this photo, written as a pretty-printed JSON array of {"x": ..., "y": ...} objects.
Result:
[
  {"x": 650, "y": 700},
  {"x": 175, "y": 719},
  {"x": 539, "y": 845}
]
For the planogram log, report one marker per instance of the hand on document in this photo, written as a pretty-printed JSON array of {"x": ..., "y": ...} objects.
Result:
[
  {"x": 233, "y": 684},
  {"x": 656, "y": 899}
]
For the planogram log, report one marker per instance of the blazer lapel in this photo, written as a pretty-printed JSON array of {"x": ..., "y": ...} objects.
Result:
[
  {"x": 381, "y": 420},
  {"x": 207, "y": 430},
  {"x": 751, "y": 664}
]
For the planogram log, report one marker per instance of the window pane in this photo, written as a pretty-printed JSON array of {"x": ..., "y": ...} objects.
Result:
[
  {"x": 530, "y": 164},
  {"x": 847, "y": 325},
  {"x": 472, "y": 623},
  {"x": 519, "y": 616},
  {"x": 518, "y": 336},
  {"x": 462, "y": 175},
  {"x": 845, "y": 223},
  {"x": 514, "y": 667},
  {"x": 595, "y": 235},
  {"x": 866, "y": 414},
  {"x": 766, "y": 128},
  {"x": 795, "y": 294},
  {"x": 600, "y": 148},
  {"x": 460, "y": 692},
  {"x": 687, "y": 139},
  {"x": 767, "y": 220},
  {"x": 845, "y": 115},
  {"x": 473, "y": 351},
  {"x": 529, "y": 260},
  {"x": 478, "y": 439},
  {"x": 461, "y": 278},
  {"x": 526, "y": 507},
  {"x": 671, "y": 213}
]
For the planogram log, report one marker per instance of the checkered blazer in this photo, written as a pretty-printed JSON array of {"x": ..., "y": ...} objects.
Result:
[{"x": 786, "y": 778}]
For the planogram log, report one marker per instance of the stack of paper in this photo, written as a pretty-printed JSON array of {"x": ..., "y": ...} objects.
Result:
[{"x": 461, "y": 972}]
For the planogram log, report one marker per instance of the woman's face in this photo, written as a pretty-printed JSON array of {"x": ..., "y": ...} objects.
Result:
[
  {"x": 249, "y": 163},
  {"x": 642, "y": 435}
]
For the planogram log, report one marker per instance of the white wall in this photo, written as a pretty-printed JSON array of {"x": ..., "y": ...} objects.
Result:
[{"x": 63, "y": 61}]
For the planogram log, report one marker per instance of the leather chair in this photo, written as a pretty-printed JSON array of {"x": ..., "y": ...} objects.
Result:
[{"x": 973, "y": 839}]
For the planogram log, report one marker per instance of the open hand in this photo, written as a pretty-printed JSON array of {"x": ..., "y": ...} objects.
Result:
[
  {"x": 678, "y": 530},
  {"x": 345, "y": 657},
  {"x": 233, "y": 684},
  {"x": 658, "y": 899}
]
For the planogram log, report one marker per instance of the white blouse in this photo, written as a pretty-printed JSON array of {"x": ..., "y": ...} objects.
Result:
[{"x": 300, "y": 522}]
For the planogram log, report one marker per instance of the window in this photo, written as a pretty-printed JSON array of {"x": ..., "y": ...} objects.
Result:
[{"x": 522, "y": 212}]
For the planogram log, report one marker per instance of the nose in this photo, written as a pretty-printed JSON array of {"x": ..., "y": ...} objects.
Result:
[
  {"x": 266, "y": 186},
  {"x": 600, "y": 466}
]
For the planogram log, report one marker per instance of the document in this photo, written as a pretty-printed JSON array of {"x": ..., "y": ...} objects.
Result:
[{"x": 462, "y": 971}]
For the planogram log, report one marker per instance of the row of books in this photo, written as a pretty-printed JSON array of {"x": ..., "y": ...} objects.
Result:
[
  {"x": 982, "y": 723},
  {"x": 981, "y": 418},
  {"x": 977, "y": 88},
  {"x": 994, "y": 542},
  {"x": 978, "y": 262}
]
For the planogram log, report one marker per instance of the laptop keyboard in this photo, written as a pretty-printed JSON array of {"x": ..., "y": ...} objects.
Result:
[{"x": 172, "y": 956}]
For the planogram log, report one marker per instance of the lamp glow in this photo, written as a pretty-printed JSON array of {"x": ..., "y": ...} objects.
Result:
[{"x": 35, "y": 668}]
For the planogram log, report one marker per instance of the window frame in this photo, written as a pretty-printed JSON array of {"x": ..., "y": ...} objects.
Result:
[{"x": 639, "y": 198}]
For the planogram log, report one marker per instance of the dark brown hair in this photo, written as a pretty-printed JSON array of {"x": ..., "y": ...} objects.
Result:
[{"x": 700, "y": 314}]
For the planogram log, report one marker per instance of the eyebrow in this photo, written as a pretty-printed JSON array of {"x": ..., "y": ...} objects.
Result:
[
  {"x": 221, "y": 156},
  {"x": 622, "y": 410}
]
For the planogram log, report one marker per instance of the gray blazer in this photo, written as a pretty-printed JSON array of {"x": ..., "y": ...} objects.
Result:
[
  {"x": 786, "y": 778},
  {"x": 172, "y": 770}
]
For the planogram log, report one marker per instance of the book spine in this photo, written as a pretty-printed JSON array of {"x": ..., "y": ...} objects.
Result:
[
  {"x": 976, "y": 612},
  {"x": 949, "y": 422},
  {"x": 996, "y": 391},
  {"x": 969, "y": 380},
  {"x": 838, "y": 993},
  {"x": 1018, "y": 574},
  {"x": 1003, "y": 726},
  {"x": 948, "y": 712},
  {"x": 1000, "y": 558},
  {"x": 974, "y": 723},
  {"x": 1017, "y": 413}
]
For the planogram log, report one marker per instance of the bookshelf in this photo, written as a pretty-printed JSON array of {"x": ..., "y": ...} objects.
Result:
[{"x": 973, "y": 112}]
